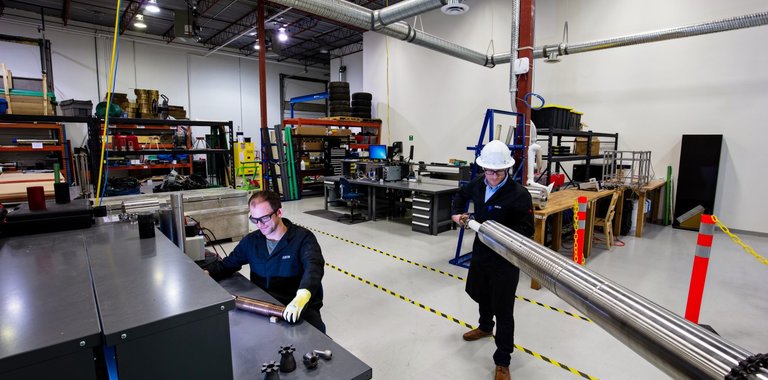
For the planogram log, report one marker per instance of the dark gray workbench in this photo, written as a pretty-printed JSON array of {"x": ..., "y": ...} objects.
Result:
[
  {"x": 164, "y": 316},
  {"x": 434, "y": 190},
  {"x": 255, "y": 341},
  {"x": 49, "y": 325}
]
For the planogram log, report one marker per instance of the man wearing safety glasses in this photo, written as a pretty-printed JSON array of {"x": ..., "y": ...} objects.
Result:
[
  {"x": 285, "y": 260},
  {"x": 492, "y": 280}
]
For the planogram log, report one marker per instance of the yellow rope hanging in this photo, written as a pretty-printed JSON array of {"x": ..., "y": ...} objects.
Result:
[{"x": 109, "y": 102}]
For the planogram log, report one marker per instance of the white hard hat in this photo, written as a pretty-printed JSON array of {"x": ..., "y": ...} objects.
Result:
[{"x": 495, "y": 155}]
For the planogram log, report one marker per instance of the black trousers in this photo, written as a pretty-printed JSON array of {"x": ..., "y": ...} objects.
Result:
[
  {"x": 492, "y": 284},
  {"x": 312, "y": 316}
]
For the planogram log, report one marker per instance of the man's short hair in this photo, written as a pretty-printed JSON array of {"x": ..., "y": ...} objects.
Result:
[{"x": 266, "y": 196}]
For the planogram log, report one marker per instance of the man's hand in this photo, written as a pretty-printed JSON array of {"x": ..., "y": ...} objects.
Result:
[
  {"x": 460, "y": 219},
  {"x": 293, "y": 310}
]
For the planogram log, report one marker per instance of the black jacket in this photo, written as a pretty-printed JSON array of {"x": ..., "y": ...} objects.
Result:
[
  {"x": 510, "y": 205},
  {"x": 296, "y": 263}
]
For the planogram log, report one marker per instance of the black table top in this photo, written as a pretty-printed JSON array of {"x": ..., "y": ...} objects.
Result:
[
  {"x": 147, "y": 285},
  {"x": 255, "y": 341},
  {"x": 47, "y": 306}
]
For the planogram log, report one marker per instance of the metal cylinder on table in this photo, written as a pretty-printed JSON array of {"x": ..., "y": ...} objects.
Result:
[
  {"x": 177, "y": 207},
  {"x": 61, "y": 192},
  {"x": 676, "y": 346},
  {"x": 259, "y": 307}
]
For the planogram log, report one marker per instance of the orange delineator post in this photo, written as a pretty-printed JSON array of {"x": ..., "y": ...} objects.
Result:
[
  {"x": 700, "y": 264},
  {"x": 578, "y": 248}
]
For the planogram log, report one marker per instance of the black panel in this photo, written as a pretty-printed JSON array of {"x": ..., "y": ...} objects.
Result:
[{"x": 697, "y": 174}]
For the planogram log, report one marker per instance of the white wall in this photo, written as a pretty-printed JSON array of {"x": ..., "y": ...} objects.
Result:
[
  {"x": 354, "y": 73},
  {"x": 217, "y": 87},
  {"x": 650, "y": 94}
]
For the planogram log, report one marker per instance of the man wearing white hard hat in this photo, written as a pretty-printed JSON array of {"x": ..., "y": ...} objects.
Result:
[{"x": 492, "y": 280}]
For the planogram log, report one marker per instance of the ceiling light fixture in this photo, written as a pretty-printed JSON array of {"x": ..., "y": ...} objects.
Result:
[
  {"x": 152, "y": 6},
  {"x": 282, "y": 36},
  {"x": 256, "y": 46},
  {"x": 139, "y": 23}
]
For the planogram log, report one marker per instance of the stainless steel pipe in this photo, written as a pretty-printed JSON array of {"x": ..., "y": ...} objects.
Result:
[
  {"x": 177, "y": 208},
  {"x": 674, "y": 345},
  {"x": 259, "y": 307}
]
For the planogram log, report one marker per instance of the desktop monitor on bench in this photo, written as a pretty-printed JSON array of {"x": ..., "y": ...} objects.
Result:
[{"x": 377, "y": 152}]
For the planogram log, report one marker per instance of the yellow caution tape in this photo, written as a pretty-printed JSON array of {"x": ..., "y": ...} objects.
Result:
[
  {"x": 457, "y": 321},
  {"x": 570, "y": 314},
  {"x": 738, "y": 241}
]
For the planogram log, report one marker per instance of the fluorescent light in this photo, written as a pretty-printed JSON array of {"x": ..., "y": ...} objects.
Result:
[
  {"x": 139, "y": 23},
  {"x": 282, "y": 36},
  {"x": 152, "y": 6}
]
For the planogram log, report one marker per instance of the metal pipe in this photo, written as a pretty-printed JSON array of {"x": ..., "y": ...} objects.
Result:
[
  {"x": 674, "y": 345},
  {"x": 513, "y": 56},
  {"x": 259, "y": 307},
  {"x": 177, "y": 208},
  {"x": 733, "y": 23},
  {"x": 403, "y": 10}
]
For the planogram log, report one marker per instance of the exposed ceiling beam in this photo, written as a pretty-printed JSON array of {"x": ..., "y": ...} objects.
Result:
[
  {"x": 64, "y": 12},
  {"x": 133, "y": 9}
]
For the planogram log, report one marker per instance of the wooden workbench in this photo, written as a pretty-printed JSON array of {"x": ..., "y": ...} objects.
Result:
[
  {"x": 13, "y": 186},
  {"x": 556, "y": 204},
  {"x": 654, "y": 189}
]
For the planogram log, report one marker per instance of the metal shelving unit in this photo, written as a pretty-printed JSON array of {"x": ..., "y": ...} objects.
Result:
[{"x": 557, "y": 135}]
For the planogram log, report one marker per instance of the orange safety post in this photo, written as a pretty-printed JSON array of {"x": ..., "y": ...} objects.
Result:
[
  {"x": 700, "y": 263},
  {"x": 578, "y": 246}
]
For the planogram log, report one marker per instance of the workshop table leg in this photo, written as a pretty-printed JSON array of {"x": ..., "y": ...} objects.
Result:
[
  {"x": 539, "y": 231},
  {"x": 655, "y": 205},
  {"x": 618, "y": 213},
  {"x": 640, "y": 215},
  {"x": 557, "y": 231}
]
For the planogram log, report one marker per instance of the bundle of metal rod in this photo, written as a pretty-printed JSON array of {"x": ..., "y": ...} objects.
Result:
[
  {"x": 676, "y": 346},
  {"x": 259, "y": 307}
]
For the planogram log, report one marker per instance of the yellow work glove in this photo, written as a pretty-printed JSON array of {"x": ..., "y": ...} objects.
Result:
[{"x": 293, "y": 310}]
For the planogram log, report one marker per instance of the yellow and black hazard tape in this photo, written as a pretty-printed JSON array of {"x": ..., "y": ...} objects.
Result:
[
  {"x": 457, "y": 321},
  {"x": 568, "y": 313},
  {"x": 387, "y": 254}
]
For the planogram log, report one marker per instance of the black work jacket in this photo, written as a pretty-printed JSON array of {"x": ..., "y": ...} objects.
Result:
[
  {"x": 295, "y": 263},
  {"x": 510, "y": 205}
]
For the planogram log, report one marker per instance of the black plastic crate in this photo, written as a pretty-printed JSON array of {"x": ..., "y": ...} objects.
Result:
[
  {"x": 575, "y": 122},
  {"x": 552, "y": 117},
  {"x": 73, "y": 107}
]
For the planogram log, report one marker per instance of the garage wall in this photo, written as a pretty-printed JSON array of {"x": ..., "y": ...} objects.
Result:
[
  {"x": 650, "y": 94},
  {"x": 217, "y": 87}
]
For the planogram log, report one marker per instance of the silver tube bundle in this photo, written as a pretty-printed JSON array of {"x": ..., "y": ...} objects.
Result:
[{"x": 676, "y": 346}]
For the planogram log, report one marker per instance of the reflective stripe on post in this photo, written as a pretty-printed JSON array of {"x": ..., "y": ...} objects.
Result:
[
  {"x": 578, "y": 252},
  {"x": 700, "y": 264}
]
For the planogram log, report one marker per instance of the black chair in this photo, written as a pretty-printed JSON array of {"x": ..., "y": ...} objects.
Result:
[{"x": 352, "y": 197}]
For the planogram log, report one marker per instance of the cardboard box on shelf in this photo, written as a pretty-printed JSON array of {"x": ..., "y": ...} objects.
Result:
[
  {"x": 581, "y": 146},
  {"x": 312, "y": 145},
  {"x": 312, "y": 130},
  {"x": 341, "y": 132}
]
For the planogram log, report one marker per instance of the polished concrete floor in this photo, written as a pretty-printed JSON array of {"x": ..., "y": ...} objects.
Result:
[{"x": 400, "y": 340}]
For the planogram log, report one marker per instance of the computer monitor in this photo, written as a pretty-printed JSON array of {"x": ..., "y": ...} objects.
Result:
[{"x": 377, "y": 152}]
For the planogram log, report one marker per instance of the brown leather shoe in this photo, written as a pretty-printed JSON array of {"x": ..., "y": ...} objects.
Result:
[
  {"x": 502, "y": 373},
  {"x": 475, "y": 334}
]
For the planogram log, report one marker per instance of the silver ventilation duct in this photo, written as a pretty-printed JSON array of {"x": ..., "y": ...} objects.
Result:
[
  {"x": 403, "y": 10},
  {"x": 676, "y": 346},
  {"x": 733, "y": 23},
  {"x": 364, "y": 18}
]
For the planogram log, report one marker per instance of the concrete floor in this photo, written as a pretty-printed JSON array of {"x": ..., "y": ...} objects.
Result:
[{"x": 402, "y": 341}]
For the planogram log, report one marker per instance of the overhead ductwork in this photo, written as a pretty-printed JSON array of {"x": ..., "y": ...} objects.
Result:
[
  {"x": 364, "y": 18},
  {"x": 403, "y": 10},
  {"x": 733, "y": 23}
]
